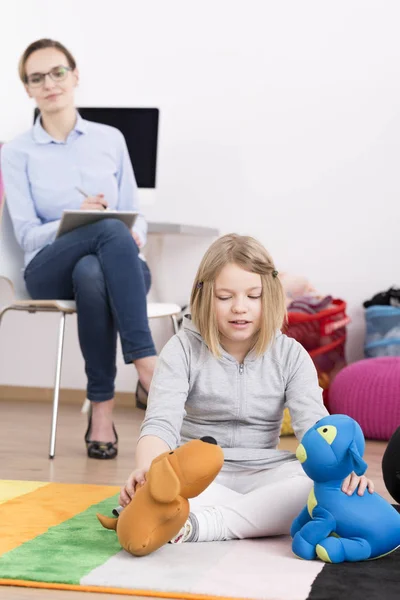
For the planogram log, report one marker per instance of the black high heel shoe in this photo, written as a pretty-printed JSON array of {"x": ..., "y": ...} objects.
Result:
[
  {"x": 100, "y": 450},
  {"x": 141, "y": 396}
]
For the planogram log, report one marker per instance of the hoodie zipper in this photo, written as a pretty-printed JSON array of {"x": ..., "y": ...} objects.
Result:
[{"x": 240, "y": 402}]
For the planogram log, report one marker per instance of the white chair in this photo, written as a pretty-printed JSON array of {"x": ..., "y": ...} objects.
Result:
[{"x": 11, "y": 269}]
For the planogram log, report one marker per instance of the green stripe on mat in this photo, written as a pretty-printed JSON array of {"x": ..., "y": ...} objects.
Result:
[{"x": 66, "y": 552}]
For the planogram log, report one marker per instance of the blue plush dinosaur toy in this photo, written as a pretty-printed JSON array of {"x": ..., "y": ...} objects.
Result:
[{"x": 333, "y": 526}]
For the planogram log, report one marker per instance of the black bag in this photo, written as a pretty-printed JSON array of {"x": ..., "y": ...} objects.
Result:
[{"x": 389, "y": 298}]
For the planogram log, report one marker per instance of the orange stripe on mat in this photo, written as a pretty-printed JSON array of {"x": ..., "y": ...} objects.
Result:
[
  {"x": 25, "y": 517},
  {"x": 111, "y": 590}
]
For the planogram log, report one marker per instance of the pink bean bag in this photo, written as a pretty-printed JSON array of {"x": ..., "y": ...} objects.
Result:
[
  {"x": 1, "y": 183},
  {"x": 369, "y": 392}
]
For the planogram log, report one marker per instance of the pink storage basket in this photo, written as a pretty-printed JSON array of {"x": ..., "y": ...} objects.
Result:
[{"x": 323, "y": 335}]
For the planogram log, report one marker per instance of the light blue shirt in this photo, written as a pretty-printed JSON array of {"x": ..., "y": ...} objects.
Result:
[{"x": 41, "y": 175}]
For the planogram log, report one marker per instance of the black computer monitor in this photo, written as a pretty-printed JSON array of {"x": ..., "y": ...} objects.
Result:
[{"x": 140, "y": 129}]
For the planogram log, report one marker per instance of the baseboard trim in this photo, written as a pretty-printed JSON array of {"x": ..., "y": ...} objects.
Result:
[{"x": 22, "y": 393}]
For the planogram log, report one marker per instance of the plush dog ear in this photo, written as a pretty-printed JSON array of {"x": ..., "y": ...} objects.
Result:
[
  {"x": 359, "y": 465},
  {"x": 162, "y": 480}
]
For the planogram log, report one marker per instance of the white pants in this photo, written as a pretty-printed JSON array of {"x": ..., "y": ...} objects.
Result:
[{"x": 245, "y": 504}]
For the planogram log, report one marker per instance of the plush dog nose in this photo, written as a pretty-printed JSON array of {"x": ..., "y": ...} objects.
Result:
[{"x": 209, "y": 440}]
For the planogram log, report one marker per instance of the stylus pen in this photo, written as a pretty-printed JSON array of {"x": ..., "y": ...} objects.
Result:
[{"x": 82, "y": 192}]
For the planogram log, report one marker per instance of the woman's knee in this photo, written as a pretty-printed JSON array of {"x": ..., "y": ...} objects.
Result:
[
  {"x": 88, "y": 276},
  {"x": 111, "y": 226}
]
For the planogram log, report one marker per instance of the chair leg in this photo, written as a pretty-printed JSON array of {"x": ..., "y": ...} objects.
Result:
[
  {"x": 3, "y": 312},
  {"x": 175, "y": 323},
  {"x": 57, "y": 386}
]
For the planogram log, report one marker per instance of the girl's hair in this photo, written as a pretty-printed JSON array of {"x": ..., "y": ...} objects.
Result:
[
  {"x": 250, "y": 255},
  {"x": 40, "y": 45}
]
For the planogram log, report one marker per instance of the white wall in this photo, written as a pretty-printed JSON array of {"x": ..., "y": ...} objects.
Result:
[{"x": 278, "y": 119}]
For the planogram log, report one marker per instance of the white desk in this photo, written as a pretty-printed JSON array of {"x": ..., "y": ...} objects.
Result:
[{"x": 181, "y": 229}]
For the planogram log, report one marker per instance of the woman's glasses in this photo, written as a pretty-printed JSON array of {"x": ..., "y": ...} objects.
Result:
[{"x": 57, "y": 74}]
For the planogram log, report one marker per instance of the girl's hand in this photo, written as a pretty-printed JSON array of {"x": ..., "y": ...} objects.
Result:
[
  {"x": 94, "y": 203},
  {"x": 353, "y": 481},
  {"x": 137, "y": 477}
]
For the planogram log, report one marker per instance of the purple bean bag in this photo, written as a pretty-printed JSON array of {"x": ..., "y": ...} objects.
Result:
[{"x": 369, "y": 392}]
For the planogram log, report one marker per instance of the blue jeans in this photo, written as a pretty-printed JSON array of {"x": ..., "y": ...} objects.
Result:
[{"x": 98, "y": 266}]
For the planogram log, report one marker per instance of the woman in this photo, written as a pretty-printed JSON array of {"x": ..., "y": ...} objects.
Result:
[{"x": 65, "y": 162}]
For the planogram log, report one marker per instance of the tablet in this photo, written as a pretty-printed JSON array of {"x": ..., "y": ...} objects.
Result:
[{"x": 71, "y": 219}]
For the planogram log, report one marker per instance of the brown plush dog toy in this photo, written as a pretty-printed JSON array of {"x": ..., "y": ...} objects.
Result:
[{"x": 160, "y": 506}]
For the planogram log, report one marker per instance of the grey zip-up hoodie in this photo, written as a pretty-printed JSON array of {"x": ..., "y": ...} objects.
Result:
[{"x": 241, "y": 405}]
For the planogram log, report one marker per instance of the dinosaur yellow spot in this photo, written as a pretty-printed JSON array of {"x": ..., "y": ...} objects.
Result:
[
  {"x": 301, "y": 453},
  {"x": 328, "y": 432},
  {"x": 322, "y": 553},
  {"x": 311, "y": 502}
]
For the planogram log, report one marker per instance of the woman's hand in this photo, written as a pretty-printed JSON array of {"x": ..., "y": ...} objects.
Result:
[
  {"x": 137, "y": 239},
  {"x": 138, "y": 476},
  {"x": 94, "y": 203},
  {"x": 353, "y": 481}
]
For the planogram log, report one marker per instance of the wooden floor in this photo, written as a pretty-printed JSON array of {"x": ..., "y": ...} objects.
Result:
[{"x": 24, "y": 446}]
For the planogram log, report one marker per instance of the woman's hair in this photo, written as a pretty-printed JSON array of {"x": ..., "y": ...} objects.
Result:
[
  {"x": 40, "y": 45},
  {"x": 247, "y": 253}
]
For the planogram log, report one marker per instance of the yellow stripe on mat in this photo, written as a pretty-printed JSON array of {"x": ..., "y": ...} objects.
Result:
[
  {"x": 111, "y": 590},
  {"x": 11, "y": 489},
  {"x": 25, "y": 517}
]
